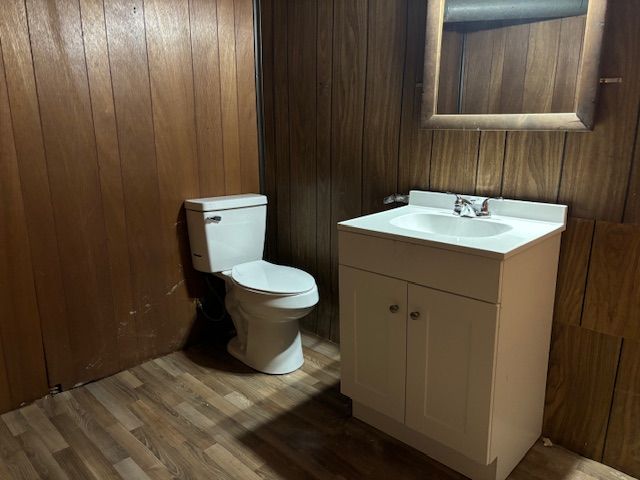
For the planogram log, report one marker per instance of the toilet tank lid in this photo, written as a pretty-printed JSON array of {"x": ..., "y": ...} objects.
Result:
[{"x": 225, "y": 203}]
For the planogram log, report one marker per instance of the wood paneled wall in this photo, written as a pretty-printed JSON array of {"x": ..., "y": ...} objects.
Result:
[
  {"x": 511, "y": 67},
  {"x": 342, "y": 86},
  {"x": 111, "y": 114}
]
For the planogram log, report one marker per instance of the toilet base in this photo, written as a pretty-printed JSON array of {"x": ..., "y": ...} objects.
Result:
[{"x": 287, "y": 362}]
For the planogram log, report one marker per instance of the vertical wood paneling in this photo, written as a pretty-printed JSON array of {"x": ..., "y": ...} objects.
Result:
[
  {"x": 172, "y": 100},
  {"x": 61, "y": 78},
  {"x": 22, "y": 372},
  {"x": 454, "y": 161},
  {"x": 582, "y": 371},
  {"x": 302, "y": 21},
  {"x": 612, "y": 304},
  {"x": 385, "y": 52},
  {"x": 107, "y": 125},
  {"x": 246, "y": 91},
  {"x": 281, "y": 122},
  {"x": 206, "y": 79},
  {"x": 514, "y": 68},
  {"x": 269, "y": 128},
  {"x": 490, "y": 164},
  {"x": 450, "y": 67},
  {"x": 532, "y": 165},
  {"x": 324, "y": 92},
  {"x": 596, "y": 167},
  {"x": 622, "y": 450},
  {"x": 542, "y": 57},
  {"x": 571, "y": 38},
  {"x": 632, "y": 206},
  {"x": 349, "y": 80},
  {"x": 477, "y": 57},
  {"x": 572, "y": 271},
  {"x": 414, "y": 159},
  {"x": 132, "y": 99},
  {"x": 111, "y": 188},
  {"x": 5, "y": 392},
  {"x": 36, "y": 193},
  {"x": 229, "y": 94}
]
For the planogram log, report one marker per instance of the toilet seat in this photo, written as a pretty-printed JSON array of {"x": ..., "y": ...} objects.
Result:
[{"x": 269, "y": 278}]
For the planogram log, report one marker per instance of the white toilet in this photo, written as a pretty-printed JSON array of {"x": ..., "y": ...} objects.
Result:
[{"x": 265, "y": 301}]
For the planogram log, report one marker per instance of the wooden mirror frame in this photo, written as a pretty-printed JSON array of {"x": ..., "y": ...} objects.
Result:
[{"x": 586, "y": 95}]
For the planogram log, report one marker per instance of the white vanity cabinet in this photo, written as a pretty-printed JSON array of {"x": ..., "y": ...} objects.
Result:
[{"x": 446, "y": 349}]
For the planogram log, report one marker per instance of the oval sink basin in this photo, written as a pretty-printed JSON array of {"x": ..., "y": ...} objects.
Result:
[{"x": 451, "y": 226}]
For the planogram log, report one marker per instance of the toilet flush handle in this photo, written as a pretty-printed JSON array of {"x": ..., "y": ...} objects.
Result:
[{"x": 216, "y": 219}]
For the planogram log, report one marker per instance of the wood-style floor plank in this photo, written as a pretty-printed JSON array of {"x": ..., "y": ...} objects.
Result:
[{"x": 200, "y": 414}]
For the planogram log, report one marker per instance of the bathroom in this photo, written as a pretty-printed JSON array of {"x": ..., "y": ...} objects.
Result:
[{"x": 121, "y": 119}]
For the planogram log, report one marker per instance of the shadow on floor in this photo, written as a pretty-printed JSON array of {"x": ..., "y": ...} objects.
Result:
[{"x": 303, "y": 428}]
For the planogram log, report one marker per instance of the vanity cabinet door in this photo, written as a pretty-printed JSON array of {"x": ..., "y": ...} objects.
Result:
[
  {"x": 451, "y": 344},
  {"x": 373, "y": 335}
]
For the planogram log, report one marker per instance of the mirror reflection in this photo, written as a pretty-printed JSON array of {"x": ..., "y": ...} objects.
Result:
[{"x": 510, "y": 56}]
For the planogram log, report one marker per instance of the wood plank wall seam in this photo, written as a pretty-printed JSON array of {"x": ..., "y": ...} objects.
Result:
[{"x": 115, "y": 120}]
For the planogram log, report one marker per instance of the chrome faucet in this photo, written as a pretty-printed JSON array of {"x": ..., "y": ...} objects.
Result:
[{"x": 471, "y": 208}]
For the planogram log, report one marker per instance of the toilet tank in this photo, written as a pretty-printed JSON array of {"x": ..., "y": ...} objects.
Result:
[{"x": 226, "y": 231}]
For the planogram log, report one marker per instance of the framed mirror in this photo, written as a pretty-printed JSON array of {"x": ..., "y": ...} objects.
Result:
[{"x": 512, "y": 64}]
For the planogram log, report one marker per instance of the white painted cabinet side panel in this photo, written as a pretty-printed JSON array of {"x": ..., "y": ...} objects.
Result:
[
  {"x": 450, "y": 359},
  {"x": 526, "y": 317},
  {"x": 373, "y": 340}
]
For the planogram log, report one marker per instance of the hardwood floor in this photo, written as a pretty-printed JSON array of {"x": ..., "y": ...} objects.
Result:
[{"x": 199, "y": 414}]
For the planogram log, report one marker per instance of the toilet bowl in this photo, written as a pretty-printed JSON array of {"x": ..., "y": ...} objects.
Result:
[
  {"x": 265, "y": 301},
  {"x": 268, "y": 333}
]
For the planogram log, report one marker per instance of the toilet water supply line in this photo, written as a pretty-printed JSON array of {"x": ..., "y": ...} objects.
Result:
[{"x": 201, "y": 308}]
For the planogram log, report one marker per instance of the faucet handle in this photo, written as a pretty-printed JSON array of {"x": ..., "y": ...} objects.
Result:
[
  {"x": 460, "y": 200},
  {"x": 484, "y": 209}
]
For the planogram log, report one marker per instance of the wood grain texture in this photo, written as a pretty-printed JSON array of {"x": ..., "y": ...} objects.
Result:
[
  {"x": 612, "y": 304},
  {"x": 99, "y": 110},
  {"x": 201, "y": 414},
  {"x": 582, "y": 371},
  {"x": 246, "y": 91},
  {"x": 622, "y": 449},
  {"x": 491, "y": 163},
  {"x": 69, "y": 141},
  {"x": 172, "y": 100},
  {"x": 464, "y": 161},
  {"x": 454, "y": 161},
  {"x": 281, "y": 167},
  {"x": 348, "y": 105},
  {"x": 542, "y": 58},
  {"x": 414, "y": 157},
  {"x": 22, "y": 369},
  {"x": 566, "y": 74},
  {"x": 229, "y": 94},
  {"x": 111, "y": 187},
  {"x": 302, "y": 21},
  {"x": 596, "y": 167},
  {"x": 36, "y": 192},
  {"x": 575, "y": 254},
  {"x": 325, "y": 226},
  {"x": 386, "y": 45},
  {"x": 632, "y": 205},
  {"x": 132, "y": 100},
  {"x": 206, "y": 84},
  {"x": 532, "y": 165}
]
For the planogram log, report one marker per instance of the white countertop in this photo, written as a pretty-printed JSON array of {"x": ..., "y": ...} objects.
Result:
[{"x": 530, "y": 222}]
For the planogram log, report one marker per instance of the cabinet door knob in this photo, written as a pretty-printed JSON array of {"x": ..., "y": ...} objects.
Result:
[
  {"x": 414, "y": 315},
  {"x": 394, "y": 308}
]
